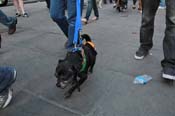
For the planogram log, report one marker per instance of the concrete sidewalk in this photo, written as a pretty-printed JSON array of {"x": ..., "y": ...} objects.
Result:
[{"x": 38, "y": 44}]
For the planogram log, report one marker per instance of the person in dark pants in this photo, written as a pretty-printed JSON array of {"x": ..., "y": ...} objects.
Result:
[
  {"x": 7, "y": 78},
  {"x": 91, "y": 5},
  {"x": 146, "y": 34},
  {"x": 10, "y": 22}
]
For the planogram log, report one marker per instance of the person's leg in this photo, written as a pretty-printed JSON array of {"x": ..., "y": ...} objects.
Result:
[
  {"x": 140, "y": 5},
  {"x": 162, "y": 3},
  {"x": 147, "y": 27},
  {"x": 82, "y": 4},
  {"x": 57, "y": 13},
  {"x": 71, "y": 8},
  {"x": 89, "y": 9},
  {"x": 7, "y": 78},
  {"x": 168, "y": 63},
  {"x": 10, "y": 22},
  {"x": 21, "y": 5},
  {"x": 5, "y": 20},
  {"x": 16, "y": 4},
  {"x": 48, "y": 3},
  {"x": 96, "y": 13},
  {"x": 134, "y": 4}
]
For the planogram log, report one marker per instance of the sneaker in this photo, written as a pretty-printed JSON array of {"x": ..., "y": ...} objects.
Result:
[
  {"x": 5, "y": 98},
  {"x": 168, "y": 73},
  {"x": 114, "y": 5},
  {"x": 12, "y": 29},
  {"x": 25, "y": 15},
  {"x": 140, "y": 54}
]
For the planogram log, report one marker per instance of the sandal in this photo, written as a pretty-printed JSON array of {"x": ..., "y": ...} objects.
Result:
[
  {"x": 84, "y": 20},
  {"x": 25, "y": 15},
  {"x": 18, "y": 14}
]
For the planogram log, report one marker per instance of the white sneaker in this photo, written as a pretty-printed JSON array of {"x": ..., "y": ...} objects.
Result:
[
  {"x": 5, "y": 98},
  {"x": 168, "y": 76}
]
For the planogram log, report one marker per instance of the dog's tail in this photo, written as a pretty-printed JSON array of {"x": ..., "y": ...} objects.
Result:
[{"x": 86, "y": 37}]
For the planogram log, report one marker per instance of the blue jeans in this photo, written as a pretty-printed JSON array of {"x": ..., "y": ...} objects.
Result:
[
  {"x": 6, "y": 77},
  {"x": 7, "y": 21},
  {"x": 67, "y": 25},
  {"x": 91, "y": 5},
  {"x": 162, "y": 3},
  {"x": 147, "y": 29}
]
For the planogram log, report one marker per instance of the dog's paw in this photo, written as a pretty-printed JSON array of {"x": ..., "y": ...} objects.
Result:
[
  {"x": 67, "y": 95},
  {"x": 58, "y": 85}
]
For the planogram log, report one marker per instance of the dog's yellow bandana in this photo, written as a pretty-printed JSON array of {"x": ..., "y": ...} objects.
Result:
[{"x": 91, "y": 43}]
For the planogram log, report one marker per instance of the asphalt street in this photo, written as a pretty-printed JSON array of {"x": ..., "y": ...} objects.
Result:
[{"x": 38, "y": 44}]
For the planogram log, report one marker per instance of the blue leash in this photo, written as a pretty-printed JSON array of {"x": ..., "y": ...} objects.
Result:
[{"x": 78, "y": 25}]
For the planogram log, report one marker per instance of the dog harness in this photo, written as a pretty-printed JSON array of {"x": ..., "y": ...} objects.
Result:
[{"x": 84, "y": 63}]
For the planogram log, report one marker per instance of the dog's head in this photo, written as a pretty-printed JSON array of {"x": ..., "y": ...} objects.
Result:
[{"x": 67, "y": 69}]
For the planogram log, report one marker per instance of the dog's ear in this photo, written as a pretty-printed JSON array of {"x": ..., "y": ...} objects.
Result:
[{"x": 85, "y": 37}]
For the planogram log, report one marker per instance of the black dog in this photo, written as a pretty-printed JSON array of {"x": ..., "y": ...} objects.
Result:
[{"x": 73, "y": 70}]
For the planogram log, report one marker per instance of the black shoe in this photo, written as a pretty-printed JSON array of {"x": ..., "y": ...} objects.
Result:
[
  {"x": 141, "y": 53},
  {"x": 168, "y": 73},
  {"x": 12, "y": 28}
]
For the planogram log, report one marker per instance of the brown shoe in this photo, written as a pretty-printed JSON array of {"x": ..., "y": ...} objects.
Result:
[{"x": 12, "y": 29}]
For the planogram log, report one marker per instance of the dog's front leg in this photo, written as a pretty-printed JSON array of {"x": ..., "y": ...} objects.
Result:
[{"x": 83, "y": 78}]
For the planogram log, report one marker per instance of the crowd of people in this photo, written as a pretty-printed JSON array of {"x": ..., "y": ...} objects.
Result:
[{"x": 67, "y": 25}]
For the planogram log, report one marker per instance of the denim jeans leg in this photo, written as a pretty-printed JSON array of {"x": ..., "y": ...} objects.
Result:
[
  {"x": 6, "y": 77},
  {"x": 94, "y": 5},
  {"x": 5, "y": 20},
  {"x": 169, "y": 39},
  {"x": 162, "y": 3},
  {"x": 57, "y": 13},
  {"x": 71, "y": 8},
  {"x": 82, "y": 5},
  {"x": 89, "y": 9},
  {"x": 147, "y": 25}
]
